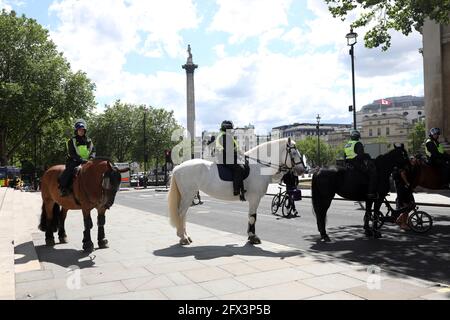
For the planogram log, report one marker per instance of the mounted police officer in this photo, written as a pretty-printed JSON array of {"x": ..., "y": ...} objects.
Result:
[
  {"x": 226, "y": 151},
  {"x": 79, "y": 150},
  {"x": 356, "y": 157},
  {"x": 437, "y": 155}
]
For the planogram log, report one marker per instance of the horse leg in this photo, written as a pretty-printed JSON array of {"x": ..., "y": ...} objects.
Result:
[
  {"x": 251, "y": 231},
  {"x": 101, "y": 219},
  {"x": 376, "y": 211},
  {"x": 62, "y": 231},
  {"x": 88, "y": 246},
  {"x": 181, "y": 231},
  {"x": 367, "y": 217},
  {"x": 49, "y": 224}
]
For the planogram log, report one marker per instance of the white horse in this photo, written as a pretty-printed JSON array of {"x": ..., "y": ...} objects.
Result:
[{"x": 266, "y": 160}]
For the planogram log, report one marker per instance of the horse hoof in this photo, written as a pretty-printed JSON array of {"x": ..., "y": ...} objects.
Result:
[
  {"x": 103, "y": 244},
  {"x": 254, "y": 240},
  {"x": 88, "y": 247},
  {"x": 63, "y": 240},
  {"x": 185, "y": 242},
  {"x": 49, "y": 242},
  {"x": 368, "y": 233},
  {"x": 325, "y": 238},
  {"x": 377, "y": 235}
]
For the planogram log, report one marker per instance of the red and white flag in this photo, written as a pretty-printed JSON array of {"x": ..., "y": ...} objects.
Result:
[{"x": 385, "y": 102}]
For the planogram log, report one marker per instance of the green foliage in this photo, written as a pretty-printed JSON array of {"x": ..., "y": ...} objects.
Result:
[
  {"x": 384, "y": 15},
  {"x": 417, "y": 138},
  {"x": 308, "y": 147},
  {"x": 37, "y": 86},
  {"x": 118, "y": 132}
]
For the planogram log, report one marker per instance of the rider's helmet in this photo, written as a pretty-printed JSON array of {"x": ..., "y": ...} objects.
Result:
[
  {"x": 355, "y": 135},
  {"x": 226, "y": 125},
  {"x": 80, "y": 124},
  {"x": 434, "y": 131}
]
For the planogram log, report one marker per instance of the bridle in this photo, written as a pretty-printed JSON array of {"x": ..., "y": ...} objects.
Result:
[{"x": 283, "y": 167}]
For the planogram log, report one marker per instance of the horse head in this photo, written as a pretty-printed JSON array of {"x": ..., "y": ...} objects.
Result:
[
  {"x": 111, "y": 184},
  {"x": 294, "y": 159}
]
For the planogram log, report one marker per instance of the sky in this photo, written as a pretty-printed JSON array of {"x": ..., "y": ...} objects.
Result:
[{"x": 261, "y": 62}]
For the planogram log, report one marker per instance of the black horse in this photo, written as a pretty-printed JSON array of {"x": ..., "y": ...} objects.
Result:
[{"x": 352, "y": 184}]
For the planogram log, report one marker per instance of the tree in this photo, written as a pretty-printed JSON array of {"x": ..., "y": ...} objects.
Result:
[
  {"x": 400, "y": 15},
  {"x": 112, "y": 131},
  {"x": 37, "y": 86},
  {"x": 308, "y": 147},
  {"x": 417, "y": 138}
]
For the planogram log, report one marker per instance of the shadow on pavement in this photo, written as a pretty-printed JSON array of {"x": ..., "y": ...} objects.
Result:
[
  {"x": 65, "y": 257},
  {"x": 212, "y": 252},
  {"x": 425, "y": 256}
]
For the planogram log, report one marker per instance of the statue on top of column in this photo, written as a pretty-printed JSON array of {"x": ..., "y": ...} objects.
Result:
[{"x": 189, "y": 60}]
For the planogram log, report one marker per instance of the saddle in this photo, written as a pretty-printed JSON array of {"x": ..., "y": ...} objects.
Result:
[{"x": 226, "y": 174}]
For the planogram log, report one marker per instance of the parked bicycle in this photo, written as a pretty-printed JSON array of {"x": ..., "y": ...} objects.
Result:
[
  {"x": 286, "y": 202},
  {"x": 418, "y": 221}
]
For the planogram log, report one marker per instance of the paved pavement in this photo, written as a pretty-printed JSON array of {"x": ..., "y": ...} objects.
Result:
[{"x": 144, "y": 261}]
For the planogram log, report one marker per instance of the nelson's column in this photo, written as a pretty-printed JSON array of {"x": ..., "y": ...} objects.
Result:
[{"x": 190, "y": 94}]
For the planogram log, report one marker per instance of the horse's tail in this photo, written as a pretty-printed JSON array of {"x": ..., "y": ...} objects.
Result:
[
  {"x": 174, "y": 198},
  {"x": 55, "y": 219}
]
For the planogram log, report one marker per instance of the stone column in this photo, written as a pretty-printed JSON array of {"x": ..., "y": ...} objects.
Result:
[
  {"x": 190, "y": 94},
  {"x": 436, "y": 62}
]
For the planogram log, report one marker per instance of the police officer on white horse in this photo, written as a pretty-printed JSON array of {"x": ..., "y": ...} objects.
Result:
[{"x": 228, "y": 154}]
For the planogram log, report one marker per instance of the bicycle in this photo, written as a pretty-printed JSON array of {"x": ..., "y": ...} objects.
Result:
[
  {"x": 283, "y": 200},
  {"x": 418, "y": 221}
]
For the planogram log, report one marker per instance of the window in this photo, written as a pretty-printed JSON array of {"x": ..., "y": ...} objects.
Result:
[
  {"x": 370, "y": 132},
  {"x": 379, "y": 131},
  {"x": 387, "y": 131}
]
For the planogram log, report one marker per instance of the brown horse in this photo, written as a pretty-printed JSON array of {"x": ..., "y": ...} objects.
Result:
[
  {"x": 94, "y": 186},
  {"x": 421, "y": 174}
]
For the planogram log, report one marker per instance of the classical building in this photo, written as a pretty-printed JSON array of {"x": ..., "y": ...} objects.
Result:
[
  {"x": 412, "y": 108},
  {"x": 436, "y": 71},
  {"x": 385, "y": 128},
  {"x": 333, "y": 133}
]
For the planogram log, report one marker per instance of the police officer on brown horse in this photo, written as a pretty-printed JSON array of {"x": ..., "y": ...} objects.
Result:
[
  {"x": 356, "y": 158},
  {"x": 227, "y": 150},
  {"x": 79, "y": 150}
]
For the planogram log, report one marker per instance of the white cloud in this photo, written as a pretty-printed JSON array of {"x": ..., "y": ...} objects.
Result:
[
  {"x": 243, "y": 19},
  {"x": 97, "y": 36}
]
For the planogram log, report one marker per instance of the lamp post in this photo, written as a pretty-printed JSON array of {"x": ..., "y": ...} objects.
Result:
[
  {"x": 318, "y": 140},
  {"x": 145, "y": 149},
  {"x": 351, "y": 41}
]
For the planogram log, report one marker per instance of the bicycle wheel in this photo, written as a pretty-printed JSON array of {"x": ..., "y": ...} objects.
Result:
[
  {"x": 196, "y": 200},
  {"x": 275, "y": 204},
  {"x": 420, "y": 221},
  {"x": 286, "y": 206},
  {"x": 380, "y": 219}
]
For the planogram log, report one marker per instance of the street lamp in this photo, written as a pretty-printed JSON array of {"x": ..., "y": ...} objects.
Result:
[
  {"x": 145, "y": 149},
  {"x": 351, "y": 41},
  {"x": 318, "y": 140}
]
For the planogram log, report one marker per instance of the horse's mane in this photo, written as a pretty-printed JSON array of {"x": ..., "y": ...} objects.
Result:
[{"x": 267, "y": 144}]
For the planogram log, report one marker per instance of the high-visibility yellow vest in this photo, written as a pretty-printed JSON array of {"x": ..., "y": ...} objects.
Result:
[
  {"x": 349, "y": 149},
  {"x": 219, "y": 146},
  {"x": 82, "y": 150},
  {"x": 438, "y": 145}
]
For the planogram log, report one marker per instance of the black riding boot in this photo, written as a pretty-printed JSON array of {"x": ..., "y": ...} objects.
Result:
[
  {"x": 238, "y": 182},
  {"x": 65, "y": 180}
]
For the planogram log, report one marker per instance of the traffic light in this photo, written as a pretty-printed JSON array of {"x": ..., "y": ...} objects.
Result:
[{"x": 168, "y": 155}]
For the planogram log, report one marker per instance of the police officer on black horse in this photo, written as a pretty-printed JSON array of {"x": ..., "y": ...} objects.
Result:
[
  {"x": 356, "y": 158},
  {"x": 227, "y": 153},
  {"x": 79, "y": 150}
]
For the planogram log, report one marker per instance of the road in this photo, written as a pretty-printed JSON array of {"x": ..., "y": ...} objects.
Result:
[{"x": 425, "y": 256}]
